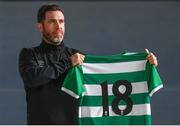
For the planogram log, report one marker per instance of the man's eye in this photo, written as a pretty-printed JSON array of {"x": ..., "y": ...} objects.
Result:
[
  {"x": 51, "y": 21},
  {"x": 61, "y": 21}
]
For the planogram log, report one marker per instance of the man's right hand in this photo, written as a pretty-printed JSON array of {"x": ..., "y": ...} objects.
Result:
[{"x": 77, "y": 59}]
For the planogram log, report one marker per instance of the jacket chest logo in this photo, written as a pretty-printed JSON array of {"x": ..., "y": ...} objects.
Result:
[{"x": 41, "y": 63}]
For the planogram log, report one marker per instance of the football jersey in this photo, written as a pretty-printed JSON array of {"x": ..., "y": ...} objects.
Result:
[{"x": 114, "y": 89}]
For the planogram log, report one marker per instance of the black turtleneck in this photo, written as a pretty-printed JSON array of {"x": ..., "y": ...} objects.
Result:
[{"x": 43, "y": 69}]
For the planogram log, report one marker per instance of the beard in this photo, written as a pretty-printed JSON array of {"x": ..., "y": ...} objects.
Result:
[{"x": 51, "y": 38}]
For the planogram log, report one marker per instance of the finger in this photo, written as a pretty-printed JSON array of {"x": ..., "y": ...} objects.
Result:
[
  {"x": 152, "y": 56},
  {"x": 153, "y": 62},
  {"x": 147, "y": 50},
  {"x": 81, "y": 61},
  {"x": 82, "y": 57}
]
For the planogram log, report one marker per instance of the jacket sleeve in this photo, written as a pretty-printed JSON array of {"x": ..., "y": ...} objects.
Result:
[{"x": 34, "y": 74}]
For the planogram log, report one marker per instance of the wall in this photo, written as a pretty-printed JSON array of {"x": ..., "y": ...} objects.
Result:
[{"x": 96, "y": 28}]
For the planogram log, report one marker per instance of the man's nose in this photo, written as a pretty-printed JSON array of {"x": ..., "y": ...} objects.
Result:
[{"x": 58, "y": 25}]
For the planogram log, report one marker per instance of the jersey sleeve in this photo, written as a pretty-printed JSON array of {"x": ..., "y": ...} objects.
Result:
[
  {"x": 154, "y": 80},
  {"x": 73, "y": 83}
]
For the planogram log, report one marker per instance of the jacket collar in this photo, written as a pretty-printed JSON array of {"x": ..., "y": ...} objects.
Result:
[{"x": 46, "y": 45}]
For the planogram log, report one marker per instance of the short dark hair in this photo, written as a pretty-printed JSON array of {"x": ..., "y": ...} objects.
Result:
[{"x": 43, "y": 9}]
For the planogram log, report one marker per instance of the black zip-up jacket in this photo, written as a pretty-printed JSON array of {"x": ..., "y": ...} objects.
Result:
[{"x": 43, "y": 69}]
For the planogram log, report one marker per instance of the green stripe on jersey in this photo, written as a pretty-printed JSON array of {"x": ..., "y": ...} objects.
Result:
[
  {"x": 115, "y": 58},
  {"x": 99, "y": 78}
]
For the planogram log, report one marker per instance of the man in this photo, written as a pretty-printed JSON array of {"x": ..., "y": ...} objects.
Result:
[{"x": 43, "y": 69}]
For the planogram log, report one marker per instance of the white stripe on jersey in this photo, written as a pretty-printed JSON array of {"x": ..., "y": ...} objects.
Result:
[
  {"x": 122, "y": 67},
  {"x": 97, "y": 111},
  {"x": 95, "y": 90}
]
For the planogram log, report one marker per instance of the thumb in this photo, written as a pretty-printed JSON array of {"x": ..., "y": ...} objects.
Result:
[{"x": 147, "y": 50}]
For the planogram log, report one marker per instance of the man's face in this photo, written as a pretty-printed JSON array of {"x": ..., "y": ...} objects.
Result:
[{"x": 53, "y": 27}]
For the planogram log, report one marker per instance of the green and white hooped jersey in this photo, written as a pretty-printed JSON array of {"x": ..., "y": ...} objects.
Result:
[{"x": 114, "y": 89}]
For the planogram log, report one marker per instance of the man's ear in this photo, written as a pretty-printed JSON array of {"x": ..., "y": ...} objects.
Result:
[{"x": 40, "y": 27}]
